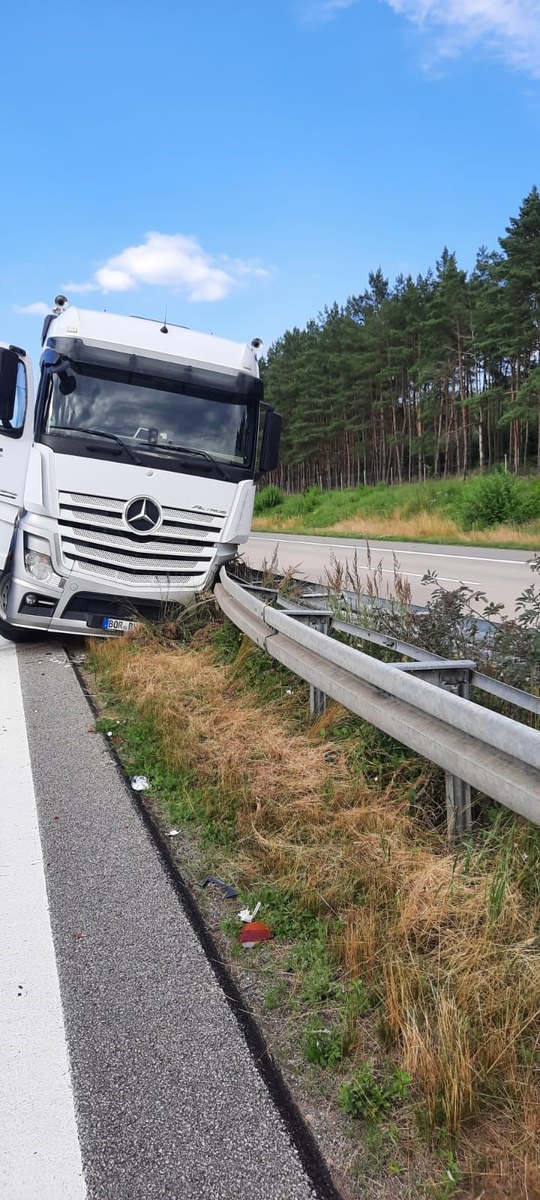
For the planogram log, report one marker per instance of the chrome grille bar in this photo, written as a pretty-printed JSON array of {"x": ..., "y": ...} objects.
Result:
[
  {"x": 75, "y": 550},
  {"x": 167, "y": 582},
  {"x": 95, "y": 539}
]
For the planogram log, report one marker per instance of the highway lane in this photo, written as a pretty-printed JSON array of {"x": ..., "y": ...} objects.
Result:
[
  {"x": 39, "y": 1147},
  {"x": 502, "y": 574},
  {"x": 162, "y": 1098}
]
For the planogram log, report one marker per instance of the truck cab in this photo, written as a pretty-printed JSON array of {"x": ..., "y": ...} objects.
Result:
[{"x": 128, "y": 478}]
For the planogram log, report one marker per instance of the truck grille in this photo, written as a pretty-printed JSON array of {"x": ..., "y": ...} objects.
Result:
[{"x": 95, "y": 539}]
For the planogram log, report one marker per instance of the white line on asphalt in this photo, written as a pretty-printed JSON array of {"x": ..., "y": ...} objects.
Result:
[
  {"x": 421, "y": 575},
  {"x": 40, "y": 1154},
  {"x": 355, "y": 544}
]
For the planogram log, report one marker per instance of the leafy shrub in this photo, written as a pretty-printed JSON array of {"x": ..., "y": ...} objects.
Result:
[
  {"x": 358, "y": 1002},
  {"x": 323, "y": 1047},
  {"x": 269, "y": 497},
  {"x": 445, "y": 1188},
  {"x": 449, "y": 624},
  {"x": 498, "y": 499},
  {"x": 365, "y": 1097},
  {"x": 311, "y": 499}
]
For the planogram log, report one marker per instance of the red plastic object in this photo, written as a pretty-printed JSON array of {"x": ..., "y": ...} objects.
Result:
[{"x": 253, "y": 933}]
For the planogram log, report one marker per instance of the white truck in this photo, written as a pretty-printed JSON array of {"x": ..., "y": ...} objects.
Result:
[{"x": 128, "y": 479}]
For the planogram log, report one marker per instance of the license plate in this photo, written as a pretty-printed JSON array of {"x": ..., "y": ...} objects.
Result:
[{"x": 117, "y": 626}]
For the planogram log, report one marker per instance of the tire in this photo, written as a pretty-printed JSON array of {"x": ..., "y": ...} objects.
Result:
[{"x": 12, "y": 632}]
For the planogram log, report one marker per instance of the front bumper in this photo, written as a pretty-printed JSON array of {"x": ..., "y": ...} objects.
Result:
[
  {"x": 103, "y": 570},
  {"x": 79, "y": 606}
]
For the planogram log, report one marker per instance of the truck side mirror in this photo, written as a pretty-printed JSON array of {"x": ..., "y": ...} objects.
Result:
[
  {"x": 270, "y": 442},
  {"x": 9, "y": 364}
]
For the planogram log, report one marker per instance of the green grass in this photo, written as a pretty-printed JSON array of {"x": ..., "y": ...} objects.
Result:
[
  {"x": 494, "y": 509},
  {"x": 368, "y": 1097},
  {"x": 182, "y": 800},
  {"x": 320, "y": 508},
  {"x": 386, "y": 954},
  {"x": 323, "y": 1047}
]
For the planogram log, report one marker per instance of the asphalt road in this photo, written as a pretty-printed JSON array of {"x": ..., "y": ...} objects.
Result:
[
  {"x": 502, "y": 574},
  {"x": 126, "y": 1074}
]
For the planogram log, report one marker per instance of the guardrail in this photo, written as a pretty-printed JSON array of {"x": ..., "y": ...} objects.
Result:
[
  {"x": 483, "y": 683},
  {"x": 475, "y": 746}
]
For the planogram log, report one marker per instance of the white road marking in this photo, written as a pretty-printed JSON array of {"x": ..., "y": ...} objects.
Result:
[
  {"x": 272, "y": 537},
  {"x": 39, "y": 1147},
  {"x": 421, "y": 575}
]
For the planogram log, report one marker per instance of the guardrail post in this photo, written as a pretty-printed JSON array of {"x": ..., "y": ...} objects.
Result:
[
  {"x": 458, "y": 793},
  {"x": 458, "y": 806},
  {"x": 318, "y": 700},
  {"x": 456, "y": 678},
  {"x": 320, "y": 619}
]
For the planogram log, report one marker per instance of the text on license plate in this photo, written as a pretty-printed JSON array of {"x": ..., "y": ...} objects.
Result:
[{"x": 116, "y": 625}]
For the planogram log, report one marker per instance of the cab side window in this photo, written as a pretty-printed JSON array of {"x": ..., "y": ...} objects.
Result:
[{"x": 16, "y": 425}]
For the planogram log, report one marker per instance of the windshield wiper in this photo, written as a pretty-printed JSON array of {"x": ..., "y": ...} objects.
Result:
[
  {"x": 100, "y": 433},
  {"x": 192, "y": 450}
]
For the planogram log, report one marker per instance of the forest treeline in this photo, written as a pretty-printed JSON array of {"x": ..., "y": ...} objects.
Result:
[{"x": 435, "y": 376}]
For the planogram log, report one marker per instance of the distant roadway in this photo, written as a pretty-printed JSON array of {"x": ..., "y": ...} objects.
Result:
[{"x": 502, "y": 574}]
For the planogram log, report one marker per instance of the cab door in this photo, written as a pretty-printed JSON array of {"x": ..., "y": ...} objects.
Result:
[{"x": 16, "y": 434}]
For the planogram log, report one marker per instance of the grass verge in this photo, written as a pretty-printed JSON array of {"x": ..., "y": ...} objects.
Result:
[
  {"x": 494, "y": 510},
  {"x": 403, "y": 981}
]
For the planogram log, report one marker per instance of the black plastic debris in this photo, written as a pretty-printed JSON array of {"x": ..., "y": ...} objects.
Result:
[{"x": 228, "y": 891}]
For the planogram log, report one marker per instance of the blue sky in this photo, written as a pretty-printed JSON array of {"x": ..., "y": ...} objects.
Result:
[{"x": 245, "y": 162}]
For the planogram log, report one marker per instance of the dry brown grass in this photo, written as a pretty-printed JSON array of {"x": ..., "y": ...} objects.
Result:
[
  {"x": 450, "y": 943},
  {"x": 422, "y": 527}
]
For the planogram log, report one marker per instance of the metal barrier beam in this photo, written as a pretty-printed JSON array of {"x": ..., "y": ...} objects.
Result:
[
  {"x": 501, "y": 733},
  {"x": 491, "y": 770},
  {"x": 484, "y": 683}
]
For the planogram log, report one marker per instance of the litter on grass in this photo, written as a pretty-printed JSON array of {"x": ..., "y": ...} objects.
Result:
[
  {"x": 253, "y": 933},
  {"x": 246, "y": 915},
  {"x": 140, "y": 783},
  {"x": 229, "y": 892}
]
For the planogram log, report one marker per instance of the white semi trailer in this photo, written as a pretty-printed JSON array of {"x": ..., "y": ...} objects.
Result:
[{"x": 127, "y": 479}]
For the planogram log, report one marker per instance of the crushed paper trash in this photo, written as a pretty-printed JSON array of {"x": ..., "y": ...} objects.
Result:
[
  {"x": 246, "y": 915},
  {"x": 140, "y": 783}
]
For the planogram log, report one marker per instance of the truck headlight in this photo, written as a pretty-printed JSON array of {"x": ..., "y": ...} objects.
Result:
[{"x": 39, "y": 566}]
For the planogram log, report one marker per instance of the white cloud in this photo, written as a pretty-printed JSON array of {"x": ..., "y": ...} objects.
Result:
[
  {"x": 171, "y": 260},
  {"x": 81, "y": 287},
  {"x": 319, "y": 12},
  {"x": 508, "y": 28},
  {"x": 38, "y": 309},
  {"x": 511, "y": 28}
]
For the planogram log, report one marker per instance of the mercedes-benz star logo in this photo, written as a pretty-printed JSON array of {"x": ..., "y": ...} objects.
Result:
[{"x": 142, "y": 514}]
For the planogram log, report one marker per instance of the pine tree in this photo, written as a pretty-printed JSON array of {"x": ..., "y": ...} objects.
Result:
[
  {"x": 436, "y": 375},
  {"x": 520, "y": 275}
]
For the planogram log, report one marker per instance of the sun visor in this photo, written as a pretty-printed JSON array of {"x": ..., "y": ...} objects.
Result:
[{"x": 161, "y": 366}]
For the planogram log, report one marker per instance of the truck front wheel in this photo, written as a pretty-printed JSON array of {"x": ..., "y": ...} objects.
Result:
[{"x": 11, "y": 632}]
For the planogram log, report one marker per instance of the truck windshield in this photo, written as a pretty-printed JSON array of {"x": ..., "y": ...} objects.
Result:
[{"x": 199, "y": 428}]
